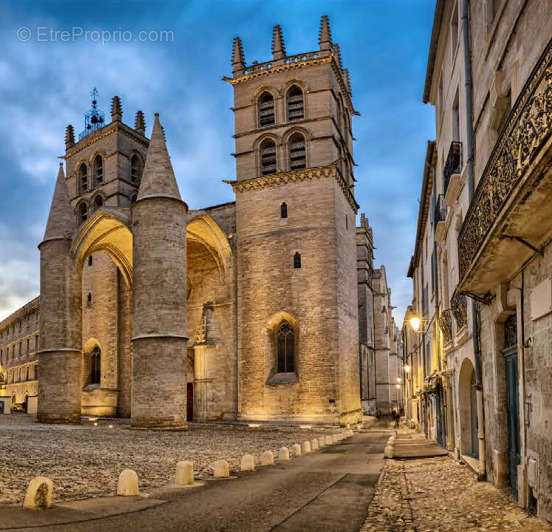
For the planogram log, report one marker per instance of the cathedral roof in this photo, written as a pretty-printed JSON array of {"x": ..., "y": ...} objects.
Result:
[
  {"x": 61, "y": 220},
  {"x": 158, "y": 178}
]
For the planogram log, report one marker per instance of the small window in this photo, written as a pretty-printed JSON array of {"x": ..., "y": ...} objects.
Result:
[
  {"x": 285, "y": 342},
  {"x": 283, "y": 210},
  {"x": 297, "y": 260},
  {"x": 95, "y": 366},
  {"x": 136, "y": 169},
  {"x": 346, "y": 222},
  {"x": 98, "y": 202},
  {"x": 83, "y": 211},
  {"x": 83, "y": 178},
  {"x": 295, "y": 104},
  {"x": 90, "y": 260},
  {"x": 266, "y": 109},
  {"x": 89, "y": 298},
  {"x": 98, "y": 169},
  {"x": 268, "y": 157},
  {"x": 297, "y": 152}
]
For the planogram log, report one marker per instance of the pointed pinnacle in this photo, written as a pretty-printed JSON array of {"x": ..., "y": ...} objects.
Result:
[
  {"x": 158, "y": 178},
  {"x": 238, "y": 57},
  {"x": 278, "y": 45},
  {"x": 325, "y": 35},
  {"x": 140, "y": 123},
  {"x": 61, "y": 221},
  {"x": 116, "y": 109}
]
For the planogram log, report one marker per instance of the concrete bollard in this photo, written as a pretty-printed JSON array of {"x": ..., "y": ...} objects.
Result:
[
  {"x": 267, "y": 458},
  {"x": 329, "y": 440},
  {"x": 221, "y": 469},
  {"x": 314, "y": 444},
  {"x": 321, "y": 441},
  {"x": 184, "y": 473},
  {"x": 128, "y": 483},
  {"x": 283, "y": 454},
  {"x": 247, "y": 462},
  {"x": 296, "y": 448},
  {"x": 39, "y": 494},
  {"x": 306, "y": 447}
]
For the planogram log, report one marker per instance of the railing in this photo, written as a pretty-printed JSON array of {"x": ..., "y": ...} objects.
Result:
[
  {"x": 459, "y": 306},
  {"x": 256, "y": 67},
  {"x": 453, "y": 164},
  {"x": 525, "y": 133},
  {"x": 445, "y": 324},
  {"x": 440, "y": 209}
]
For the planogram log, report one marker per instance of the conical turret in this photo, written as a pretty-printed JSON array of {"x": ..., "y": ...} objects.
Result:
[
  {"x": 325, "y": 35},
  {"x": 238, "y": 58},
  {"x": 158, "y": 178},
  {"x": 278, "y": 45},
  {"x": 61, "y": 222}
]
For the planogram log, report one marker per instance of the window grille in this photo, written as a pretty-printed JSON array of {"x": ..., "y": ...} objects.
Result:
[
  {"x": 266, "y": 109},
  {"x": 297, "y": 152},
  {"x": 285, "y": 340},
  {"x": 295, "y": 103},
  {"x": 268, "y": 157}
]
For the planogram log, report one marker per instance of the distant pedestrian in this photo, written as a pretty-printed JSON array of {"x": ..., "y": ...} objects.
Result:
[{"x": 395, "y": 415}]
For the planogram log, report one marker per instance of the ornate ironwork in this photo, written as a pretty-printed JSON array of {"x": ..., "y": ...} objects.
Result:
[
  {"x": 459, "y": 306},
  {"x": 445, "y": 324},
  {"x": 453, "y": 164},
  {"x": 526, "y": 131}
]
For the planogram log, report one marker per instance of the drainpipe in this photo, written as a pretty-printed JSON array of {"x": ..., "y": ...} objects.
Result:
[{"x": 470, "y": 180}]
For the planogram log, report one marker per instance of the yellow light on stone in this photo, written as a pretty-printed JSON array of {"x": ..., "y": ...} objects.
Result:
[
  {"x": 398, "y": 379},
  {"x": 305, "y": 426},
  {"x": 95, "y": 424},
  {"x": 254, "y": 425},
  {"x": 407, "y": 368},
  {"x": 110, "y": 426}
]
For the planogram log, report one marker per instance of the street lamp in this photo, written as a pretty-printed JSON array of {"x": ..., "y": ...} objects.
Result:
[
  {"x": 415, "y": 323},
  {"x": 407, "y": 368}
]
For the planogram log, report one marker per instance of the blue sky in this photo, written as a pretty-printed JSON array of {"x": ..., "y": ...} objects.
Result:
[{"x": 45, "y": 84}]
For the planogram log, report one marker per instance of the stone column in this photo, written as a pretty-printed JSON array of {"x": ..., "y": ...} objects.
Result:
[
  {"x": 159, "y": 317},
  {"x": 60, "y": 356}
]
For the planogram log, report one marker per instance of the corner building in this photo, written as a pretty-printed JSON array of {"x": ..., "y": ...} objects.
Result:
[{"x": 247, "y": 310}]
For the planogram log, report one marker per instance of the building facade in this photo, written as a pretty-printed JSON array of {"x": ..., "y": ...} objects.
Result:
[
  {"x": 481, "y": 269},
  {"x": 246, "y": 310}
]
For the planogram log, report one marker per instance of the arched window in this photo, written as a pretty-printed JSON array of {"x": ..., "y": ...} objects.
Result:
[
  {"x": 268, "y": 157},
  {"x": 297, "y": 152},
  {"x": 95, "y": 366},
  {"x": 89, "y": 298},
  {"x": 136, "y": 169},
  {"x": 297, "y": 260},
  {"x": 285, "y": 343},
  {"x": 295, "y": 103},
  {"x": 83, "y": 211},
  {"x": 98, "y": 202},
  {"x": 266, "y": 109},
  {"x": 98, "y": 170},
  {"x": 83, "y": 178},
  {"x": 283, "y": 210}
]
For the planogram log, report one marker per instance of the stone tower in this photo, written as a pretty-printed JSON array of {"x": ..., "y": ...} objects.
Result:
[
  {"x": 295, "y": 219},
  {"x": 159, "y": 336}
]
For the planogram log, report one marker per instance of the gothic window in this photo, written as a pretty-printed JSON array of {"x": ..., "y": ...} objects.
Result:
[
  {"x": 285, "y": 342},
  {"x": 83, "y": 178},
  {"x": 268, "y": 157},
  {"x": 297, "y": 152},
  {"x": 135, "y": 169},
  {"x": 297, "y": 260},
  {"x": 98, "y": 170},
  {"x": 295, "y": 104},
  {"x": 83, "y": 211},
  {"x": 266, "y": 109},
  {"x": 283, "y": 210},
  {"x": 98, "y": 202},
  {"x": 95, "y": 366}
]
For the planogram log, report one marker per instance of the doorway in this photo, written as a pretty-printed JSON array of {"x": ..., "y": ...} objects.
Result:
[{"x": 190, "y": 402}]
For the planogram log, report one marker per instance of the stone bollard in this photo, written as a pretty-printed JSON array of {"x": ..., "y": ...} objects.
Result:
[
  {"x": 314, "y": 444},
  {"x": 389, "y": 451},
  {"x": 184, "y": 473},
  {"x": 39, "y": 494},
  {"x": 128, "y": 483},
  {"x": 306, "y": 447},
  {"x": 221, "y": 469},
  {"x": 267, "y": 458},
  {"x": 296, "y": 448},
  {"x": 283, "y": 454},
  {"x": 321, "y": 441},
  {"x": 247, "y": 462},
  {"x": 329, "y": 440}
]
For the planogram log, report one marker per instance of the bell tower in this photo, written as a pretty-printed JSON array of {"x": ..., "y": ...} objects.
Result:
[{"x": 295, "y": 219}]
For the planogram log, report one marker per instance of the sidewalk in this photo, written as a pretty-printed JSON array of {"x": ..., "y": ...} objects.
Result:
[{"x": 410, "y": 444}]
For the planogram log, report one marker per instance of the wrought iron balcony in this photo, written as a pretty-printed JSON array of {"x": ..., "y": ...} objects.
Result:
[
  {"x": 453, "y": 164},
  {"x": 513, "y": 194},
  {"x": 440, "y": 209}
]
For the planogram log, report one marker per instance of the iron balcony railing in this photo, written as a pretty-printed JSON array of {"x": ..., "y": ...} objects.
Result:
[{"x": 453, "y": 164}]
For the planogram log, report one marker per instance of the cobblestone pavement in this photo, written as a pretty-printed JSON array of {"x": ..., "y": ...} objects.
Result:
[
  {"x": 85, "y": 460},
  {"x": 440, "y": 494}
]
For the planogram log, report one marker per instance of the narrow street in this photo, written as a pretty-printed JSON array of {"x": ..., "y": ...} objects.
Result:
[{"x": 330, "y": 489}]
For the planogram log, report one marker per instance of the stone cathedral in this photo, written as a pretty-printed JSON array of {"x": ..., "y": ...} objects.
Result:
[{"x": 243, "y": 311}]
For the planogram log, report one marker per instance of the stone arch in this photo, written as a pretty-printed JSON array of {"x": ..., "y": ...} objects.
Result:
[
  {"x": 296, "y": 130},
  {"x": 258, "y": 148},
  {"x": 106, "y": 231},
  {"x": 467, "y": 404},
  {"x": 275, "y": 375}
]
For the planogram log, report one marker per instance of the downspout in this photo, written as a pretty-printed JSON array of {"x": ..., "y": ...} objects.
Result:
[{"x": 470, "y": 180}]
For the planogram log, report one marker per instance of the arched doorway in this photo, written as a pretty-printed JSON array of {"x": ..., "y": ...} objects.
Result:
[
  {"x": 468, "y": 410},
  {"x": 510, "y": 353}
]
